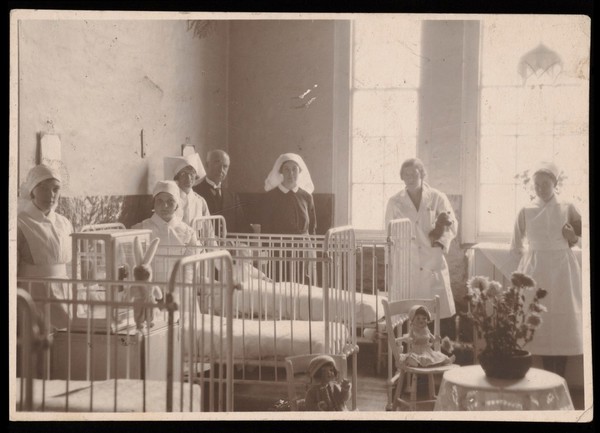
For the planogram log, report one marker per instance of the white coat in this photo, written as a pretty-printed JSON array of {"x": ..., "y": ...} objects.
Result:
[
  {"x": 548, "y": 259},
  {"x": 44, "y": 250},
  {"x": 429, "y": 274}
]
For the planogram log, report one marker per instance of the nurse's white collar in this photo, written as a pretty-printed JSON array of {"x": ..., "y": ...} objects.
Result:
[
  {"x": 34, "y": 212},
  {"x": 159, "y": 221},
  {"x": 538, "y": 201},
  {"x": 284, "y": 190}
]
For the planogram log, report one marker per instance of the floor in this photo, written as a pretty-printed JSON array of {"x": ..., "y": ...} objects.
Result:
[{"x": 371, "y": 392}]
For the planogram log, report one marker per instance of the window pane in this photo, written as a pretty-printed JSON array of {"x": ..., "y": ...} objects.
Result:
[
  {"x": 495, "y": 111},
  {"x": 496, "y": 208},
  {"x": 533, "y": 148},
  {"x": 368, "y": 159},
  {"x": 384, "y": 113},
  {"x": 397, "y": 150},
  {"x": 367, "y": 206},
  {"x": 497, "y": 160},
  {"x": 386, "y": 52}
]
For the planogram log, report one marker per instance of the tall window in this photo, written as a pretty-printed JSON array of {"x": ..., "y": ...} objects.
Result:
[
  {"x": 384, "y": 95},
  {"x": 534, "y": 84}
]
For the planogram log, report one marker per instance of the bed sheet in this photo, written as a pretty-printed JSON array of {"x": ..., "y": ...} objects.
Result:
[
  {"x": 254, "y": 339},
  {"x": 283, "y": 300}
]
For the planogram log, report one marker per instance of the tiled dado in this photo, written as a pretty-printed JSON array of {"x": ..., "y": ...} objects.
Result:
[{"x": 128, "y": 210}]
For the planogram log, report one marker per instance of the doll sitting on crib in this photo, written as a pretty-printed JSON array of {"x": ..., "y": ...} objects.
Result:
[
  {"x": 420, "y": 339},
  {"x": 326, "y": 393}
]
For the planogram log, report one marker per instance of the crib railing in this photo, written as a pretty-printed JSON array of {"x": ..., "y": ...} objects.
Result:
[
  {"x": 101, "y": 345},
  {"x": 206, "y": 331},
  {"x": 294, "y": 295}
]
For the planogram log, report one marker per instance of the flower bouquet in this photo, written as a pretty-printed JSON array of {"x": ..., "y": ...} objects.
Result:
[{"x": 504, "y": 321}]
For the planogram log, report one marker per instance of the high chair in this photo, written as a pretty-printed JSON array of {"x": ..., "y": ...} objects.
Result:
[
  {"x": 298, "y": 381},
  {"x": 396, "y": 313}
]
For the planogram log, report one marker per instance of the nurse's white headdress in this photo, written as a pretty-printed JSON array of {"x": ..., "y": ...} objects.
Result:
[
  {"x": 547, "y": 167},
  {"x": 168, "y": 186},
  {"x": 275, "y": 178},
  {"x": 38, "y": 174},
  {"x": 174, "y": 164}
]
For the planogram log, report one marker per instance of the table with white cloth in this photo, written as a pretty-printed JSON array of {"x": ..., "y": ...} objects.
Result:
[
  {"x": 495, "y": 261},
  {"x": 469, "y": 389}
]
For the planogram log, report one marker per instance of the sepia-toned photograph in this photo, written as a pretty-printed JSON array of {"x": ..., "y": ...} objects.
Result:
[{"x": 276, "y": 216}]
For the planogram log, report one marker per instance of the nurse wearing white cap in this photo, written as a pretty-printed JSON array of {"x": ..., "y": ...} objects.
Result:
[
  {"x": 186, "y": 171},
  {"x": 176, "y": 237},
  {"x": 551, "y": 228},
  {"x": 43, "y": 240},
  {"x": 289, "y": 207}
]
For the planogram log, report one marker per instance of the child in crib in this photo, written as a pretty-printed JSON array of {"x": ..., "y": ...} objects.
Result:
[
  {"x": 421, "y": 352},
  {"x": 326, "y": 393}
]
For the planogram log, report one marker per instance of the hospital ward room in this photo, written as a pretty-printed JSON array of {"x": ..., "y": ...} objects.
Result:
[{"x": 373, "y": 216}]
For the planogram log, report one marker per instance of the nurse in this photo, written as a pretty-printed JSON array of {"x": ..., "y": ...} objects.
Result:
[
  {"x": 44, "y": 241},
  {"x": 288, "y": 206},
  {"x": 424, "y": 207},
  {"x": 551, "y": 228},
  {"x": 186, "y": 171},
  {"x": 176, "y": 237}
]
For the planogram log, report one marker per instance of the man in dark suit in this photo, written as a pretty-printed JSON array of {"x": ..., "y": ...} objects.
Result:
[{"x": 219, "y": 200}]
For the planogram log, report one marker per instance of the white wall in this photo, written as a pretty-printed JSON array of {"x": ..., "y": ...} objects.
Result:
[{"x": 99, "y": 83}]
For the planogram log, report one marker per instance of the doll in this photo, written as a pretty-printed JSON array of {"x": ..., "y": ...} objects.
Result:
[
  {"x": 420, "y": 339},
  {"x": 326, "y": 392},
  {"x": 142, "y": 271}
]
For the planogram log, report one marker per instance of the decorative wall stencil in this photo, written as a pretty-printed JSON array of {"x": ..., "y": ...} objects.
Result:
[
  {"x": 541, "y": 63},
  {"x": 201, "y": 28}
]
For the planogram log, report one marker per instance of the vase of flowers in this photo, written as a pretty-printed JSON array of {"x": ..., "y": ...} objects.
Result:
[{"x": 505, "y": 322}]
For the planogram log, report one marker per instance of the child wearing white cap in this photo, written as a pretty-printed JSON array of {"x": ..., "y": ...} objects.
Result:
[
  {"x": 327, "y": 392},
  {"x": 176, "y": 237},
  {"x": 551, "y": 228},
  {"x": 44, "y": 240},
  {"x": 186, "y": 171}
]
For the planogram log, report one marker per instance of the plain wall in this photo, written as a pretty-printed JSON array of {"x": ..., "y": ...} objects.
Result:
[
  {"x": 272, "y": 64},
  {"x": 99, "y": 83}
]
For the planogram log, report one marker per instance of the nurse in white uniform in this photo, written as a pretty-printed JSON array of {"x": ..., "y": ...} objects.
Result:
[
  {"x": 551, "y": 228},
  {"x": 186, "y": 171},
  {"x": 176, "y": 238},
  {"x": 44, "y": 242},
  {"x": 422, "y": 204}
]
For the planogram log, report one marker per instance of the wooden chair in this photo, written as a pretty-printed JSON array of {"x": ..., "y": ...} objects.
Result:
[
  {"x": 298, "y": 381},
  {"x": 396, "y": 313}
]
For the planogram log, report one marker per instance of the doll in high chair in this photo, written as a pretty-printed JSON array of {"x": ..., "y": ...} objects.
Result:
[
  {"x": 420, "y": 341},
  {"x": 144, "y": 315},
  {"x": 327, "y": 392}
]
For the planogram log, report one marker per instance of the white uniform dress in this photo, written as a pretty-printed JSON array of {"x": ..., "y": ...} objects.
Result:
[
  {"x": 44, "y": 250},
  {"x": 551, "y": 263},
  {"x": 176, "y": 239},
  {"x": 191, "y": 205},
  {"x": 429, "y": 274}
]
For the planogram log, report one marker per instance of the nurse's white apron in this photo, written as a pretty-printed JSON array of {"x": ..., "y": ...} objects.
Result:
[
  {"x": 554, "y": 267},
  {"x": 49, "y": 242}
]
